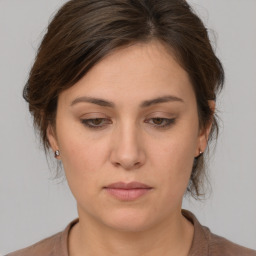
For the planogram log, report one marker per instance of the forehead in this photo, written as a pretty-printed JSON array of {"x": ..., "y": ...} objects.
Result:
[{"x": 142, "y": 70}]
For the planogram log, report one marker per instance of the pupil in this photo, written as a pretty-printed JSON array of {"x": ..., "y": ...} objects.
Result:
[
  {"x": 158, "y": 120},
  {"x": 97, "y": 121}
]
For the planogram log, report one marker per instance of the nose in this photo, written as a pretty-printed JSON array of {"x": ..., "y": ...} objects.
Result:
[{"x": 127, "y": 149}]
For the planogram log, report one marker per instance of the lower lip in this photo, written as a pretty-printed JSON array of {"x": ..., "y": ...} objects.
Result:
[{"x": 127, "y": 194}]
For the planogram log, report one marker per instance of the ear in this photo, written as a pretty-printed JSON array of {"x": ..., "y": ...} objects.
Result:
[
  {"x": 51, "y": 136},
  {"x": 205, "y": 131}
]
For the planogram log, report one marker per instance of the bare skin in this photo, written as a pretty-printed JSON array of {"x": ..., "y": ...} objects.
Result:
[{"x": 132, "y": 140}]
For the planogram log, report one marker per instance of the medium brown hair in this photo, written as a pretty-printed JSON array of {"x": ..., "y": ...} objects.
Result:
[{"x": 84, "y": 31}]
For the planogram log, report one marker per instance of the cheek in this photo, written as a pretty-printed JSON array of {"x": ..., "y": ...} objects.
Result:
[
  {"x": 177, "y": 165},
  {"x": 81, "y": 157},
  {"x": 174, "y": 158}
]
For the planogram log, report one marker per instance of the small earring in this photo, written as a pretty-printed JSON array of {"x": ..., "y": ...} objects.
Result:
[
  {"x": 56, "y": 153},
  {"x": 200, "y": 153}
]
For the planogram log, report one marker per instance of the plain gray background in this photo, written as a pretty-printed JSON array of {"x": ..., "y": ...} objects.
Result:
[{"x": 33, "y": 206}]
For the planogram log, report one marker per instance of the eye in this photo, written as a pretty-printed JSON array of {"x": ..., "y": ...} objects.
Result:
[
  {"x": 95, "y": 123},
  {"x": 160, "y": 122}
]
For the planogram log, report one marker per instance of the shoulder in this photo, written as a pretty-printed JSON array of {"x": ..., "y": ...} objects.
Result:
[
  {"x": 44, "y": 247},
  {"x": 205, "y": 243},
  {"x": 56, "y": 245},
  {"x": 221, "y": 246}
]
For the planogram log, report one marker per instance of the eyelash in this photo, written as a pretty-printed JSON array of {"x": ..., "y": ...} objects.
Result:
[{"x": 168, "y": 122}]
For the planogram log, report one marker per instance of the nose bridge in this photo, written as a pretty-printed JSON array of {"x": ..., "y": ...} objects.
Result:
[{"x": 127, "y": 149}]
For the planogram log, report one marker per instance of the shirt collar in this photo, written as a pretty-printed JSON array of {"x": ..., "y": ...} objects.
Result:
[{"x": 199, "y": 244}]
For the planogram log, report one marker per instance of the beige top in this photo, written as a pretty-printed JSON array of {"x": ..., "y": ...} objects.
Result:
[{"x": 204, "y": 243}]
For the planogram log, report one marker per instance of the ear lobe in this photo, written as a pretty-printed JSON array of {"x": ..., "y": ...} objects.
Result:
[
  {"x": 212, "y": 105},
  {"x": 51, "y": 136},
  {"x": 205, "y": 131}
]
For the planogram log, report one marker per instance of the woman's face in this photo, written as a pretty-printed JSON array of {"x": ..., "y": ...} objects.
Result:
[{"x": 132, "y": 118}]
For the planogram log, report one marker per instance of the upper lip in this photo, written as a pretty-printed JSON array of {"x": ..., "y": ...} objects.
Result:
[{"x": 130, "y": 185}]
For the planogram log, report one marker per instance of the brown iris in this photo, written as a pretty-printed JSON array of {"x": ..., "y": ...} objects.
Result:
[
  {"x": 96, "y": 121},
  {"x": 158, "y": 121}
]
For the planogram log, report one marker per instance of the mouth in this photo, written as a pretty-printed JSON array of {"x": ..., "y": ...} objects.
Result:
[{"x": 127, "y": 191}]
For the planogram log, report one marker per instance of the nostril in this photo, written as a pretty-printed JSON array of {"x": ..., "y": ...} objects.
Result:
[{"x": 128, "y": 166}]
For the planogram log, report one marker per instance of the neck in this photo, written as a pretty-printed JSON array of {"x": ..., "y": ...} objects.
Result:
[{"x": 171, "y": 237}]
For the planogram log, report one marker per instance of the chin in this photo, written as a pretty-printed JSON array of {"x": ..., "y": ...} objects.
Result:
[{"x": 129, "y": 220}]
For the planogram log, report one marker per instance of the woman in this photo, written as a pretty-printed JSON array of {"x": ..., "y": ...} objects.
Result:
[{"x": 123, "y": 93}]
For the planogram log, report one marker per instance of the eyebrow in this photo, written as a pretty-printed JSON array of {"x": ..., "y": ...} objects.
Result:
[{"x": 144, "y": 104}]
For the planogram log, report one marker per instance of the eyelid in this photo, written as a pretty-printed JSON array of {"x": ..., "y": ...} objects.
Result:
[
  {"x": 85, "y": 121},
  {"x": 94, "y": 115},
  {"x": 169, "y": 122},
  {"x": 160, "y": 114}
]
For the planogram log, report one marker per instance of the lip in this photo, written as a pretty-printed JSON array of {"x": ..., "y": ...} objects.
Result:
[
  {"x": 127, "y": 191},
  {"x": 130, "y": 185}
]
